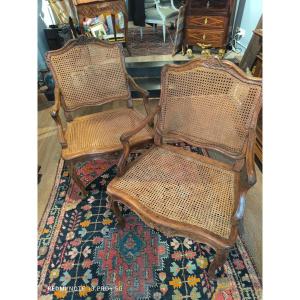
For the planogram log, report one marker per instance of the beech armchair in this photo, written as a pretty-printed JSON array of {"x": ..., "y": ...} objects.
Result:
[
  {"x": 89, "y": 72},
  {"x": 210, "y": 104}
]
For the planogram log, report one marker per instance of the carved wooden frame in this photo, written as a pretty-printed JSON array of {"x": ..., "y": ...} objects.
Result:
[{"x": 243, "y": 162}]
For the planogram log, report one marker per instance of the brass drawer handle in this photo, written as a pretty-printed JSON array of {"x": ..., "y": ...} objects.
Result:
[
  {"x": 204, "y": 46},
  {"x": 204, "y": 37},
  {"x": 205, "y": 21}
]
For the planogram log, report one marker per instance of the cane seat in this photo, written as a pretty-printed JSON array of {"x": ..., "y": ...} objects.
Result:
[
  {"x": 174, "y": 185},
  {"x": 100, "y": 132}
]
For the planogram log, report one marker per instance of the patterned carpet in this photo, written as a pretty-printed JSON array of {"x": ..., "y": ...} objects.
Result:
[
  {"x": 83, "y": 255},
  {"x": 152, "y": 42}
]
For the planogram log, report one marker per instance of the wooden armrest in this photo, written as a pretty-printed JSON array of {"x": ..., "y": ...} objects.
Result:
[
  {"x": 125, "y": 137},
  {"x": 56, "y": 106},
  {"x": 55, "y": 115},
  {"x": 141, "y": 91},
  {"x": 239, "y": 213},
  {"x": 250, "y": 163}
]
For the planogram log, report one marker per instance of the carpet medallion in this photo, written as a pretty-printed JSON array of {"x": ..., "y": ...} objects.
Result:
[{"x": 82, "y": 254}]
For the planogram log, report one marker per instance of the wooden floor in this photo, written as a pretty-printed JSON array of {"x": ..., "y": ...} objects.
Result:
[{"x": 49, "y": 155}]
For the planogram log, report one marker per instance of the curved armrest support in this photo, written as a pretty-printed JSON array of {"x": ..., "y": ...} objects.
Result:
[
  {"x": 55, "y": 115},
  {"x": 141, "y": 91},
  {"x": 239, "y": 213},
  {"x": 125, "y": 137},
  {"x": 250, "y": 165}
]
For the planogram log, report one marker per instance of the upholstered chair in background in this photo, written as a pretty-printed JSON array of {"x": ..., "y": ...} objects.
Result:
[{"x": 159, "y": 12}]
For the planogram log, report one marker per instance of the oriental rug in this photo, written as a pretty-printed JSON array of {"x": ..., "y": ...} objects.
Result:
[
  {"x": 82, "y": 254},
  {"x": 152, "y": 42}
]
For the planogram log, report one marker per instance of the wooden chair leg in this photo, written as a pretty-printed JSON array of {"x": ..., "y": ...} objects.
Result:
[
  {"x": 141, "y": 32},
  {"x": 76, "y": 179},
  {"x": 128, "y": 50},
  {"x": 219, "y": 260},
  {"x": 129, "y": 103},
  {"x": 164, "y": 32},
  {"x": 118, "y": 213}
]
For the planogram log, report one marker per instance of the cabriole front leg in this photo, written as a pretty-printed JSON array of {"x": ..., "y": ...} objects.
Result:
[
  {"x": 219, "y": 260},
  {"x": 76, "y": 179},
  {"x": 115, "y": 208}
]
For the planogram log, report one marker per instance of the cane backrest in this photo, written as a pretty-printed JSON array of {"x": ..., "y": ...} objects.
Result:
[
  {"x": 89, "y": 72},
  {"x": 209, "y": 103}
]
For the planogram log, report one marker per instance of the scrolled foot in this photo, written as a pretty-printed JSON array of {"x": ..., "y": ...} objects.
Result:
[
  {"x": 121, "y": 223},
  {"x": 212, "y": 271},
  {"x": 83, "y": 192},
  {"x": 118, "y": 213},
  {"x": 219, "y": 260},
  {"x": 75, "y": 177}
]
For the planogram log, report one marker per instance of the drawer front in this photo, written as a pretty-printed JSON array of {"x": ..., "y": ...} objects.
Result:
[
  {"x": 206, "y": 22},
  {"x": 209, "y": 4},
  {"x": 214, "y": 37}
]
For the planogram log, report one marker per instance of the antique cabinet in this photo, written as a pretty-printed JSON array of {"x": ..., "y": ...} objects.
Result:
[
  {"x": 252, "y": 61},
  {"x": 207, "y": 22},
  {"x": 94, "y": 8},
  {"x": 257, "y": 66},
  {"x": 257, "y": 72}
]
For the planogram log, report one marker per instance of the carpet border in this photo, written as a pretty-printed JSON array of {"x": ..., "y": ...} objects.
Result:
[
  {"x": 56, "y": 230},
  {"x": 257, "y": 284},
  {"x": 259, "y": 276}
]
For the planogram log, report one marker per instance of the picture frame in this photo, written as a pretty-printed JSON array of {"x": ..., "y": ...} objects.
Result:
[{"x": 98, "y": 31}]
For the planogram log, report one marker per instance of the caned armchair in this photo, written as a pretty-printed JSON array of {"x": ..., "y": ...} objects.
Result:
[
  {"x": 210, "y": 104},
  {"x": 89, "y": 72}
]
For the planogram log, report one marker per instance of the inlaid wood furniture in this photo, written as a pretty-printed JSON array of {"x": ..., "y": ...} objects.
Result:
[
  {"x": 89, "y": 72},
  {"x": 257, "y": 66},
  {"x": 207, "y": 22},
  {"x": 94, "y": 8},
  {"x": 252, "y": 60},
  {"x": 210, "y": 104},
  {"x": 253, "y": 49}
]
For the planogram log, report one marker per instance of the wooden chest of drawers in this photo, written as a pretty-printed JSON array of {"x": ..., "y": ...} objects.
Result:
[
  {"x": 206, "y": 22},
  {"x": 214, "y": 38}
]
